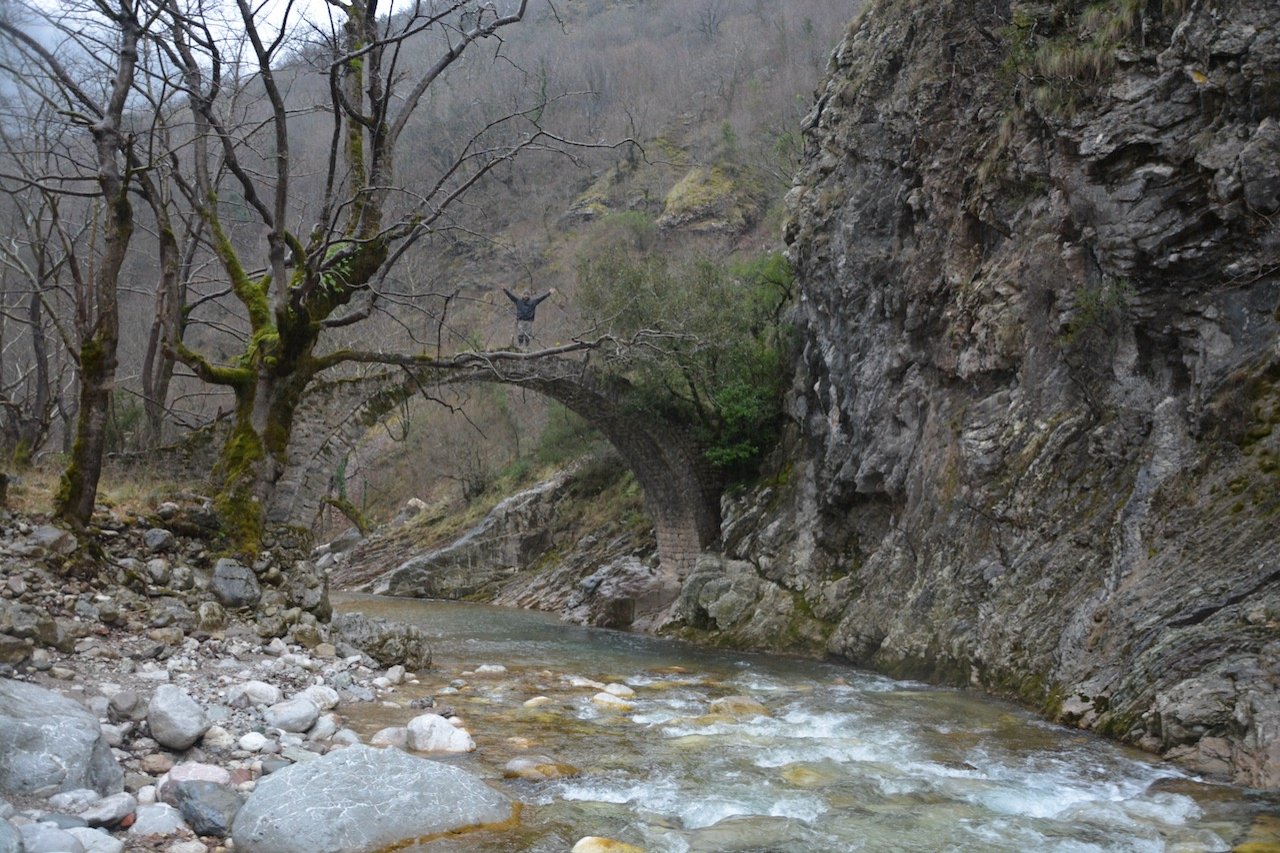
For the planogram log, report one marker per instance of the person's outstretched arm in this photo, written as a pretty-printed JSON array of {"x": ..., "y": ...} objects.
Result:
[
  {"x": 544, "y": 296},
  {"x": 510, "y": 295}
]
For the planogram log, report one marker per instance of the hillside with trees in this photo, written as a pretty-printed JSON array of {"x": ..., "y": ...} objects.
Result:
[{"x": 211, "y": 211}]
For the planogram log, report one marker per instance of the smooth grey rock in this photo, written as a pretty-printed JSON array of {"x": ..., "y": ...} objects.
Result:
[
  {"x": 391, "y": 736},
  {"x": 10, "y": 838},
  {"x": 96, "y": 840},
  {"x": 74, "y": 801},
  {"x": 158, "y": 539},
  {"x": 62, "y": 821},
  {"x": 360, "y": 800},
  {"x": 158, "y": 570},
  {"x": 211, "y": 616},
  {"x": 433, "y": 733},
  {"x": 209, "y": 808},
  {"x": 253, "y": 693},
  {"x": 293, "y": 715},
  {"x": 326, "y": 698},
  {"x": 45, "y": 838},
  {"x": 326, "y": 726},
  {"x": 234, "y": 585},
  {"x": 109, "y": 811},
  {"x": 157, "y": 819},
  {"x": 126, "y": 705},
  {"x": 54, "y": 540},
  {"x": 176, "y": 720},
  {"x": 47, "y": 740}
]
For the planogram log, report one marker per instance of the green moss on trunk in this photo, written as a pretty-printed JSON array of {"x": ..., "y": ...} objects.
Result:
[{"x": 238, "y": 503}]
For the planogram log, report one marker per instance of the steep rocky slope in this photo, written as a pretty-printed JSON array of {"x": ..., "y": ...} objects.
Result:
[{"x": 1040, "y": 264}]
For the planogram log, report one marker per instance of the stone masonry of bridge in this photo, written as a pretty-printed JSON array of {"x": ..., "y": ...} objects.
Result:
[{"x": 681, "y": 490}]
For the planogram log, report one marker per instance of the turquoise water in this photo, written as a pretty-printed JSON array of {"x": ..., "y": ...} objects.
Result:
[{"x": 839, "y": 759}]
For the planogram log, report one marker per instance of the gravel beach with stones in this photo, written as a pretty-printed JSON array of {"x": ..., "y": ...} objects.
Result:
[{"x": 145, "y": 701}]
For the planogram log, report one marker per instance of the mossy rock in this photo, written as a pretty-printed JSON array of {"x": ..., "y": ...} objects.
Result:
[{"x": 710, "y": 200}]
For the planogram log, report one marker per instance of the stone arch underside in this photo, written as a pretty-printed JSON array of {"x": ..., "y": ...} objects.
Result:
[{"x": 681, "y": 490}]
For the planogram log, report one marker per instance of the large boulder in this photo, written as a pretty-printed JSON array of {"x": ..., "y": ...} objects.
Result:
[
  {"x": 388, "y": 643},
  {"x": 50, "y": 741},
  {"x": 359, "y": 800}
]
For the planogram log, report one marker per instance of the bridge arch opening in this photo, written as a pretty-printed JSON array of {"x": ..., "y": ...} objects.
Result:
[{"x": 681, "y": 489}]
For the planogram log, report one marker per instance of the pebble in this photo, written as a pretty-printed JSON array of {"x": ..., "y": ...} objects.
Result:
[
  {"x": 253, "y": 741},
  {"x": 611, "y": 702}
]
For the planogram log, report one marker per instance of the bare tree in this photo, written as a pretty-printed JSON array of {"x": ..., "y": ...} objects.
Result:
[
  {"x": 709, "y": 18},
  {"x": 100, "y": 114},
  {"x": 361, "y": 221},
  {"x": 30, "y": 264}
]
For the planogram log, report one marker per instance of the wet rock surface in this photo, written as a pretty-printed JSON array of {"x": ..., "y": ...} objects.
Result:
[
  {"x": 1036, "y": 446},
  {"x": 362, "y": 800}
]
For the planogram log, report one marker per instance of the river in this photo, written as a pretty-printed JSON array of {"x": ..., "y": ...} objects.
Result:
[{"x": 842, "y": 760}]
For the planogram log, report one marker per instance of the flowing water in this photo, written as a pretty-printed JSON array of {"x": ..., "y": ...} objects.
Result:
[{"x": 843, "y": 760}]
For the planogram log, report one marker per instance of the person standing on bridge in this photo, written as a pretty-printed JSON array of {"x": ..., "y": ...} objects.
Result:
[{"x": 526, "y": 308}]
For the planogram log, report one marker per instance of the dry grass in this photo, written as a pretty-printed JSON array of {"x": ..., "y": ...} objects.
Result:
[{"x": 129, "y": 491}]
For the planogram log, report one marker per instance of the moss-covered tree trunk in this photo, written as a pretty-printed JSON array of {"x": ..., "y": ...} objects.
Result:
[
  {"x": 97, "y": 312},
  {"x": 78, "y": 489}
]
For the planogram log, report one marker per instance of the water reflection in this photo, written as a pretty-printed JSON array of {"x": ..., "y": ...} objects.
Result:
[{"x": 839, "y": 760}]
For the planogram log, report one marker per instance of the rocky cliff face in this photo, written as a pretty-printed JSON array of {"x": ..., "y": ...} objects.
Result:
[{"x": 1040, "y": 259}]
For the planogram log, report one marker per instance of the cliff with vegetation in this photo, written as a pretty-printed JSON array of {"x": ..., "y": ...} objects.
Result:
[{"x": 1036, "y": 451}]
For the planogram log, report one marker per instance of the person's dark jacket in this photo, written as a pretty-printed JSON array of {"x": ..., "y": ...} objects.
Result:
[{"x": 525, "y": 307}]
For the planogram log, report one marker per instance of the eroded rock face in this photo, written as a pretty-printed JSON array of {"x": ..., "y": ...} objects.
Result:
[
  {"x": 512, "y": 536},
  {"x": 1041, "y": 373},
  {"x": 388, "y": 643}
]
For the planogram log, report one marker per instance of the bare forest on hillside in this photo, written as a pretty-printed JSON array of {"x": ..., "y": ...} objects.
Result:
[{"x": 609, "y": 106}]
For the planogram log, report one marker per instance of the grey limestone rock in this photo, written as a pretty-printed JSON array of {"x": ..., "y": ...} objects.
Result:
[
  {"x": 10, "y": 838},
  {"x": 359, "y": 800},
  {"x": 176, "y": 720},
  {"x": 109, "y": 811},
  {"x": 158, "y": 539},
  {"x": 96, "y": 840},
  {"x": 157, "y": 819},
  {"x": 234, "y": 585},
  {"x": 1037, "y": 392},
  {"x": 388, "y": 643},
  {"x": 207, "y": 807},
  {"x": 292, "y": 715},
  {"x": 53, "y": 540},
  {"x": 48, "y": 742},
  {"x": 46, "y": 838}
]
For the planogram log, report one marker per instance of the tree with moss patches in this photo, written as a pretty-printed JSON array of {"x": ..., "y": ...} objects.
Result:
[
  {"x": 120, "y": 24},
  {"x": 362, "y": 224}
]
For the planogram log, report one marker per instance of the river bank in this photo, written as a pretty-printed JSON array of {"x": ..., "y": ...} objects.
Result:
[{"x": 202, "y": 701}]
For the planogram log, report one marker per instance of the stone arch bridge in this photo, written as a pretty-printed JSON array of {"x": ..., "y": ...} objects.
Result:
[{"x": 681, "y": 489}]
